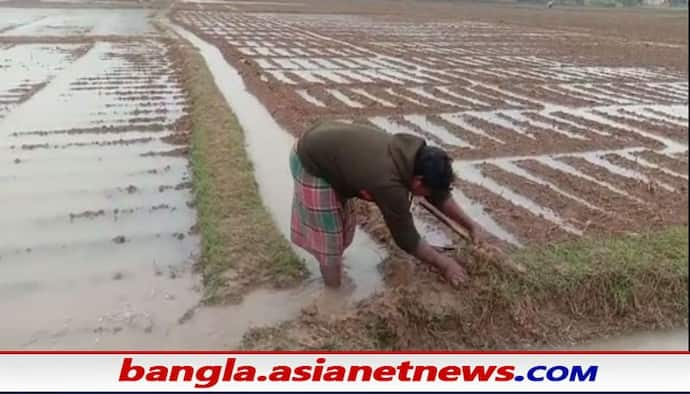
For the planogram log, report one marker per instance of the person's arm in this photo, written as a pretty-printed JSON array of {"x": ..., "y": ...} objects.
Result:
[
  {"x": 450, "y": 208},
  {"x": 394, "y": 206},
  {"x": 451, "y": 270}
]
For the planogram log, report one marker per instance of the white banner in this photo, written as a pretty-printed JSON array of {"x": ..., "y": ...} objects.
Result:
[{"x": 301, "y": 372}]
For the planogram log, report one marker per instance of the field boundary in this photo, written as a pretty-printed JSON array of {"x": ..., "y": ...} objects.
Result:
[
  {"x": 573, "y": 292},
  {"x": 241, "y": 247}
]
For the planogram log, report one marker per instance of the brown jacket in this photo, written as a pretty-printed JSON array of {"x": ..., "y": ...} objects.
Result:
[{"x": 366, "y": 162}]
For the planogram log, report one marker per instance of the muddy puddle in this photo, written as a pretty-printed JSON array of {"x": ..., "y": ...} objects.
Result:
[
  {"x": 56, "y": 22},
  {"x": 96, "y": 248},
  {"x": 106, "y": 260}
]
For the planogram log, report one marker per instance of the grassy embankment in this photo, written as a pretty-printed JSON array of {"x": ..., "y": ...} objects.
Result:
[
  {"x": 241, "y": 246},
  {"x": 572, "y": 292}
]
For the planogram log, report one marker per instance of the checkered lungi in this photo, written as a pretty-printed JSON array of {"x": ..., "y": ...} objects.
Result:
[{"x": 321, "y": 223}]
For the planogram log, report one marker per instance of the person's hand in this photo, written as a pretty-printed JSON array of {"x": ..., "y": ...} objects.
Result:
[
  {"x": 453, "y": 272},
  {"x": 451, "y": 269},
  {"x": 455, "y": 275}
]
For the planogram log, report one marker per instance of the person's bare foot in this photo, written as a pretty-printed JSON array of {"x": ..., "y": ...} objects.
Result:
[{"x": 332, "y": 300}]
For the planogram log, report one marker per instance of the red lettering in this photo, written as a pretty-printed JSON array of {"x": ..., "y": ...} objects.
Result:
[
  {"x": 384, "y": 373},
  {"x": 506, "y": 373},
  {"x": 449, "y": 374},
  {"x": 316, "y": 376},
  {"x": 482, "y": 373},
  {"x": 208, "y": 376},
  {"x": 280, "y": 373},
  {"x": 229, "y": 368},
  {"x": 366, "y": 371},
  {"x": 334, "y": 373},
  {"x": 404, "y": 368},
  {"x": 245, "y": 373},
  {"x": 302, "y": 373},
  {"x": 175, "y": 372},
  {"x": 128, "y": 368},
  {"x": 419, "y": 370},
  {"x": 157, "y": 373}
]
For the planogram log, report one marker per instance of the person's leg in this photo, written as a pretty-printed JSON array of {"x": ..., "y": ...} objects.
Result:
[
  {"x": 349, "y": 220},
  {"x": 316, "y": 222},
  {"x": 298, "y": 231},
  {"x": 331, "y": 271}
]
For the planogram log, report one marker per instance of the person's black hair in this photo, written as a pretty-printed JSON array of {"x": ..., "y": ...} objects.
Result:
[{"x": 435, "y": 167}]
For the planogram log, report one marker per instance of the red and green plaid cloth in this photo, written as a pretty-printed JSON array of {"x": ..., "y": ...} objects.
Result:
[{"x": 321, "y": 223}]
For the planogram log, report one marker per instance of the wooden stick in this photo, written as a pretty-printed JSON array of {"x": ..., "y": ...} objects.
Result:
[
  {"x": 461, "y": 231},
  {"x": 496, "y": 256}
]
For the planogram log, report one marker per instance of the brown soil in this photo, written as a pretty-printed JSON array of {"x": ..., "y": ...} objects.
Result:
[
  {"x": 671, "y": 207},
  {"x": 599, "y": 196},
  {"x": 295, "y": 114},
  {"x": 179, "y": 138},
  {"x": 548, "y": 142},
  {"x": 76, "y": 39},
  {"x": 572, "y": 211},
  {"x": 519, "y": 221},
  {"x": 655, "y": 175},
  {"x": 99, "y": 130},
  {"x": 675, "y": 132},
  {"x": 643, "y": 94},
  {"x": 177, "y": 152},
  {"x": 86, "y": 215},
  {"x": 624, "y": 136},
  {"x": 495, "y": 311},
  {"x": 121, "y": 141},
  {"x": 35, "y": 146},
  {"x": 562, "y": 98},
  {"x": 678, "y": 166},
  {"x": 665, "y": 115},
  {"x": 471, "y": 138}
]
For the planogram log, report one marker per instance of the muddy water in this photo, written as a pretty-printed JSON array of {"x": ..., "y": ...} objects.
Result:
[
  {"x": 95, "y": 250},
  {"x": 59, "y": 22}
]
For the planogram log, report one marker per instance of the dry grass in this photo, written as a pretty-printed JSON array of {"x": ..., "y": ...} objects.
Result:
[
  {"x": 241, "y": 247},
  {"x": 572, "y": 292}
]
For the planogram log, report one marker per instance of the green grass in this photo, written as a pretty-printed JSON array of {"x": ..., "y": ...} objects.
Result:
[
  {"x": 241, "y": 247},
  {"x": 625, "y": 264},
  {"x": 666, "y": 249}
]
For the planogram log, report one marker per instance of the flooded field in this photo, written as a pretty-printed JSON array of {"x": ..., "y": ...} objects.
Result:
[
  {"x": 96, "y": 188},
  {"x": 549, "y": 146},
  {"x": 570, "y": 146},
  {"x": 52, "y": 22},
  {"x": 98, "y": 215}
]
